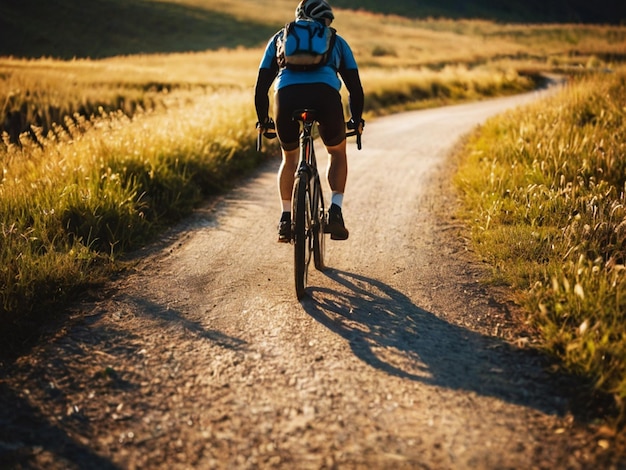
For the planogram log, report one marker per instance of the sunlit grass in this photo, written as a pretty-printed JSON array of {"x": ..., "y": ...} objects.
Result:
[
  {"x": 102, "y": 186},
  {"x": 400, "y": 89},
  {"x": 42, "y": 92},
  {"x": 545, "y": 189}
]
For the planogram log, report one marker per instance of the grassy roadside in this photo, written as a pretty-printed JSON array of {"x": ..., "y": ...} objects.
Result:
[
  {"x": 543, "y": 190},
  {"x": 73, "y": 201}
]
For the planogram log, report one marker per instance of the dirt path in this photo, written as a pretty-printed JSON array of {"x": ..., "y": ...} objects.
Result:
[{"x": 202, "y": 358}]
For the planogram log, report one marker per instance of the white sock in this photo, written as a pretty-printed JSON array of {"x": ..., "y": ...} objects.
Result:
[
  {"x": 286, "y": 206},
  {"x": 336, "y": 198}
]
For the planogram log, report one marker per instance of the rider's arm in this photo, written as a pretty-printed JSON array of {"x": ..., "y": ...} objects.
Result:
[
  {"x": 349, "y": 72},
  {"x": 353, "y": 83},
  {"x": 267, "y": 73},
  {"x": 261, "y": 98}
]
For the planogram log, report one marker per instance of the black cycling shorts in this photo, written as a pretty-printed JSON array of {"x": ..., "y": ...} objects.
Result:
[{"x": 329, "y": 111}]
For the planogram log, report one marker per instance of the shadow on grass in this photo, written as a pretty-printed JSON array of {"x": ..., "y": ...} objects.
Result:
[
  {"x": 105, "y": 28},
  {"x": 511, "y": 11}
]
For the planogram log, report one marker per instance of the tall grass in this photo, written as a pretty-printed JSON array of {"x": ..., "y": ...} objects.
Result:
[
  {"x": 545, "y": 188},
  {"x": 43, "y": 92},
  {"x": 80, "y": 195},
  {"x": 401, "y": 89}
]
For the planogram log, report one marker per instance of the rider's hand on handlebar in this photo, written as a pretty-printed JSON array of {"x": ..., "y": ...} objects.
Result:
[
  {"x": 265, "y": 126},
  {"x": 357, "y": 126},
  {"x": 266, "y": 129}
]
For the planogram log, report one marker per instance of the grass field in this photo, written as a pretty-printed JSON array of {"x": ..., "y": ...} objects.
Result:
[
  {"x": 544, "y": 192},
  {"x": 99, "y": 154}
]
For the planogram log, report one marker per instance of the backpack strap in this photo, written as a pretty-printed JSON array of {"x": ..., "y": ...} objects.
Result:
[
  {"x": 331, "y": 47},
  {"x": 282, "y": 34}
]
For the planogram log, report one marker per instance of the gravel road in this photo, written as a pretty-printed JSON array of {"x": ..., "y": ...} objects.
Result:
[{"x": 201, "y": 357}]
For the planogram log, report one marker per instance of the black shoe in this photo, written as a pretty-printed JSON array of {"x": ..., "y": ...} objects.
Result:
[
  {"x": 335, "y": 225},
  {"x": 284, "y": 228}
]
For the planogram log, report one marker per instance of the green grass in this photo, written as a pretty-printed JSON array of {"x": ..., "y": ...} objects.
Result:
[{"x": 544, "y": 188}]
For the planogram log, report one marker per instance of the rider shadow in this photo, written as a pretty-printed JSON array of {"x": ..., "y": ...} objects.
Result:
[
  {"x": 28, "y": 428},
  {"x": 26, "y": 431},
  {"x": 168, "y": 316},
  {"x": 386, "y": 330}
]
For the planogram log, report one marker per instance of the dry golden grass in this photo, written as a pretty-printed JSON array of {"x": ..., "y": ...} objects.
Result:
[
  {"x": 544, "y": 191},
  {"x": 82, "y": 195}
]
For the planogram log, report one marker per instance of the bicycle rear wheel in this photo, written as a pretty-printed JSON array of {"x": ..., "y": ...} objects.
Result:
[
  {"x": 302, "y": 233},
  {"x": 318, "y": 221}
]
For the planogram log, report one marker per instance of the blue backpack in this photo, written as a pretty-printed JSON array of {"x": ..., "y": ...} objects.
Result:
[{"x": 304, "y": 45}]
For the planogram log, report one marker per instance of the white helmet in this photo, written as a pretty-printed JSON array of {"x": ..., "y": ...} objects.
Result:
[{"x": 318, "y": 10}]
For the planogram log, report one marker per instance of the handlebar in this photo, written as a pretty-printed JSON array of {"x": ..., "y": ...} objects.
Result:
[
  {"x": 358, "y": 137},
  {"x": 270, "y": 133}
]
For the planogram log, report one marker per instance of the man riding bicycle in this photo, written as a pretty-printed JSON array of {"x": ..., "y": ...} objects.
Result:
[{"x": 316, "y": 88}]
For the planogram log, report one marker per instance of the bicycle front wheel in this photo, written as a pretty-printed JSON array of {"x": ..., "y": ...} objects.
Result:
[{"x": 302, "y": 233}]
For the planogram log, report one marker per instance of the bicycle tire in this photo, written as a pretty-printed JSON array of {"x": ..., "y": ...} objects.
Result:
[
  {"x": 301, "y": 232},
  {"x": 319, "y": 222}
]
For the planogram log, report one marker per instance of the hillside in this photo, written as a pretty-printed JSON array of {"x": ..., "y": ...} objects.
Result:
[
  {"x": 516, "y": 11},
  {"x": 68, "y": 29}
]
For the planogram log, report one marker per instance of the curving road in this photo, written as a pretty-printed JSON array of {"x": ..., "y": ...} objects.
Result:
[{"x": 400, "y": 358}]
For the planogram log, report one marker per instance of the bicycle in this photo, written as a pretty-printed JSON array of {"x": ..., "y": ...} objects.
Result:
[{"x": 308, "y": 218}]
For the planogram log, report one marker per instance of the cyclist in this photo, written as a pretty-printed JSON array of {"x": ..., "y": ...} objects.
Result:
[{"x": 318, "y": 89}]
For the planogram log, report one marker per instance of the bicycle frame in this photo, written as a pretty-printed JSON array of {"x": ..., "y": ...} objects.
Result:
[
  {"x": 308, "y": 212},
  {"x": 307, "y": 162}
]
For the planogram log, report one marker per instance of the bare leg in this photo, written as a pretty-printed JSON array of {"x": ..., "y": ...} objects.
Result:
[
  {"x": 337, "y": 176},
  {"x": 286, "y": 174},
  {"x": 337, "y": 168}
]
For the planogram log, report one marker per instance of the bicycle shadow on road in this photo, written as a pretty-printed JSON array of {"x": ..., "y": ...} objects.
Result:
[{"x": 386, "y": 330}]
